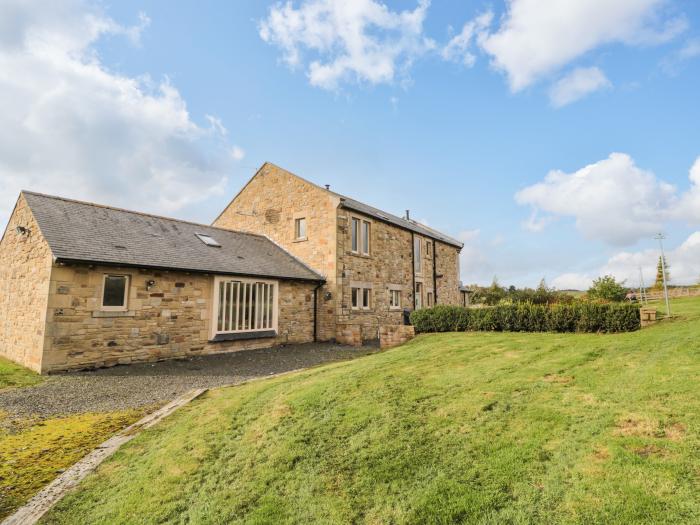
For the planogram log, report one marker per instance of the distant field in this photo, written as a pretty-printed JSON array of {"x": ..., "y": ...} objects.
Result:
[{"x": 456, "y": 427}]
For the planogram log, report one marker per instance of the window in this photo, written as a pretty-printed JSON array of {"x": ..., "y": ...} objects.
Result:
[
  {"x": 115, "y": 293},
  {"x": 417, "y": 261},
  {"x": 360, "y": 234},
  {"x": 366, "y": 228},
  {"x": 208, "y": 240},
  {"x": 394, "y": 299},
  {"x": 355, "y": 234},
  {"x": 300, "y": 228},
  {"x": 419, "y": 296},
  {"x": 430, "y": 299},
  {"x": 244, "y": 305},
  {"x": 428, "y": 249},
  {"x": 361, "y": 298}
]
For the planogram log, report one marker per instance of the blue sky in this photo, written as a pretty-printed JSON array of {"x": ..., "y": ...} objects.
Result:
[{"x": 170, "y": 107}]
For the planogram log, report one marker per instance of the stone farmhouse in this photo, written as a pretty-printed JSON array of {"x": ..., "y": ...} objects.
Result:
[{"x": 84, "y": 285}]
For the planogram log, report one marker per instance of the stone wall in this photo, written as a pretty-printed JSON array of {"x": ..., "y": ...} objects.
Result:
[
  {"x": 395, "y": 335},
  {"x": 25, "y": 269},
  {"x": 447, "y": 263},
  {"x": 388, "y": 265},
  {"x": 269, "y": 205},
  {"x": 349, "y": 334},
  {"x": 167, "y": 320}
]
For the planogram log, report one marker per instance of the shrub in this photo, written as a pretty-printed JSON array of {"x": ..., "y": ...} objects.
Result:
[
  {"x": 607, "y": 289},
  {"x": 526, "y": 317}
]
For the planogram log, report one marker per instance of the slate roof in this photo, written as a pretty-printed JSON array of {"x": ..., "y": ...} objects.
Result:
[
  {"x": 352, "y": 204},
  {"x": 84, "y": 232}
]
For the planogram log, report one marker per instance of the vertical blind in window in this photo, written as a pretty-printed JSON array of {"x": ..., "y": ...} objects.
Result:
[{"x": 245, "y": 306}]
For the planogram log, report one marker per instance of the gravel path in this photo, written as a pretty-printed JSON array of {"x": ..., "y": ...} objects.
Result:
[{"x": 149, "y": 384}]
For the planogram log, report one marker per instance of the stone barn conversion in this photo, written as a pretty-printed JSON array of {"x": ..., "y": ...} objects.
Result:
[{"x": 84, "y": 285}]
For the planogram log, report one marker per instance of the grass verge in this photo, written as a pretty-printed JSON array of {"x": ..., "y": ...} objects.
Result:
[
  {"x": 455, "y": 427},
  {"x": 34, "y": 452},
  {"x": 12, "y": 375}
]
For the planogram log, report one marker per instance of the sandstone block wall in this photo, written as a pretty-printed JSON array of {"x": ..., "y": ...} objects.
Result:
[
  {"x": 349, "y": 334},
  {"x": 167, "y": 320},
  {"x": 25, "y": 269},
  {"x": 395, "y": 335},
  {"x": 269, "y": 205}
]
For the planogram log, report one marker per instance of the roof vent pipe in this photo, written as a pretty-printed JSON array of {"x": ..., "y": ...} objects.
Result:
[
  {"x": 328, "y": 187},
  {"x": 408, "y": 215}
]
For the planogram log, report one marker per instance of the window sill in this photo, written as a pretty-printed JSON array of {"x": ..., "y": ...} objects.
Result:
[
  {"x": 109, "y": 313},
  {"x": 242, "y": 336},
  {"x": 302, "y": 239},
  {"x": 395, "y": 309},
  {"x": 363, "y": 255}
]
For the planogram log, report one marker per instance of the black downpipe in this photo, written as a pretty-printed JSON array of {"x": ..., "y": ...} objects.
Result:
[
  {"x": 318, "y": 286},
  {"x": 435, "y": 294},
  {"x": 413, "y": 268}
]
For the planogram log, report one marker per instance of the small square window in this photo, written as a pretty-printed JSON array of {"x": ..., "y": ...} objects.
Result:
[
  {"x": 300, "y": 228},
  {"x": 115, "y": 292}
]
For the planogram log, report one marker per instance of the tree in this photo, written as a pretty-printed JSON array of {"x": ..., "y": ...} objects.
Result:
[
  {"x": 659, "y": 283},
  {"x": 606, "y": 288}
]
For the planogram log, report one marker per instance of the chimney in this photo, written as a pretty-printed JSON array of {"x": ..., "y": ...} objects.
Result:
[
  {"x": 328, "y": 187},
  {"x": 408, "y": 215}
]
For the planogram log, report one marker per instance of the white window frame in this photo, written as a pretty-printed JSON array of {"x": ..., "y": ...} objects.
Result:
[
  {"x": 418, "y": 295},
  {"x": 358, "y": 240},
  {"x": 297, "y": 224},
  {"x": 394, "y": 293},
  {"x": 214, "y": 331},
  {"x": 417, "y": 256},
  {"x": 125, "y": 306},
  {"x": 360, "y": 298}
]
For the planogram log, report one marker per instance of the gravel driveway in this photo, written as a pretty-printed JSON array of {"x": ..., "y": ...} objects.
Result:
[{"x": 148, "y": 384}]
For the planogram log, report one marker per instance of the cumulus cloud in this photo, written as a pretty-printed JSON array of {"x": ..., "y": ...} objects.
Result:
[
  {"x": 75, "y": 128},
  {"x": 684, "y": 267},
  {"x": 338, "y": 41},
  {"x": 612, "y": 200},
  {"x": 538, "y": 37},
  {"x": 576, "y": 85}
]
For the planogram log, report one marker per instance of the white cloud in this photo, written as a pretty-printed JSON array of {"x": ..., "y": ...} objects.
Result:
[
  {"x": 689, "y": 206},
  {"x": 237, "y": 153},
  {"x": 612, "y": 200},
  {"x": 538, "y": 37},
  {"x": 576, "y": 85},
  {"x": 458, "y": 49},
  {"x": 684, "y": 267},
  {"x": 77, "y": 129},
  {"x": 338, "y": 41}
]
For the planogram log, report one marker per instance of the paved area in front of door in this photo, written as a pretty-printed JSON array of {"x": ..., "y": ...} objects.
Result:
[{"x": 150, "y": 384}]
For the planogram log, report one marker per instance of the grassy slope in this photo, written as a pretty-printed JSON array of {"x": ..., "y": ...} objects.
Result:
[
  {"x": 488, "y": 428},
  {"x": 12, "y": 375}
]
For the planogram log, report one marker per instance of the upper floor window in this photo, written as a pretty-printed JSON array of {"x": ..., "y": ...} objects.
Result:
[
  {"x": 300, "y": 228},
  {"x": 417, "y": 256},
  {"x": 428, "y": 249},
  {"x": 115, "y": 296},
  {"x": 360, "y": 236}
]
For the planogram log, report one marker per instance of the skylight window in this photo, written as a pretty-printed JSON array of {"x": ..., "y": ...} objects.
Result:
[{"x": 208, "y": 240}]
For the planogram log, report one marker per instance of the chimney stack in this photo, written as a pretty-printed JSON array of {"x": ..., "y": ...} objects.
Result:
[{"x": 328, "y": 187}]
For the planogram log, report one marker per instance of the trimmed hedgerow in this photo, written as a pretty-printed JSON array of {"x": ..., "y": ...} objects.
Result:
[{"x": 526, "y": 317}]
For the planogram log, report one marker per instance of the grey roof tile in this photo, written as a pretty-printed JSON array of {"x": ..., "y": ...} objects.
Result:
[{"x": 81, "y": 231}]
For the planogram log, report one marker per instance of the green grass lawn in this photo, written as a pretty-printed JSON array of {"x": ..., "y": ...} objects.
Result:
[
  {"x": 12, "y": 375},
  {"x": 473, "y": 427}
]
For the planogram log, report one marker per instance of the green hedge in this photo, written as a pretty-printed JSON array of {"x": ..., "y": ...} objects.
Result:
[{"x": 526, "y": 317}]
